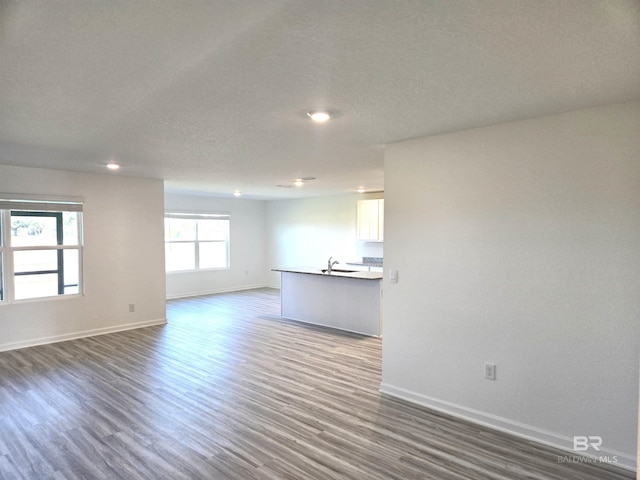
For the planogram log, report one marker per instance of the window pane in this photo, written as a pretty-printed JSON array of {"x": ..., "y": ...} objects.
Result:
[
  {"x": 33, "y": 231},
  {"x": 34, "y": 286},
  {"x": 70, "y": 228},
  {"x": 179, "y": 229},
  {"x": 213, "y": 255},
  {"x": 213, "y": 229},
  {"x": 35, "y": 260},
  {"x": 180, "y": 256},
  {"x": 71, "y": 271}
]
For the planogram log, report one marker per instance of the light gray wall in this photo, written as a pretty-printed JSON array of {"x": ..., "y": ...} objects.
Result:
[
  {"x": 306, "y": 232},
  {"x": 123, "y": 258},
  {"x": 518, "y": 244},
  {"x": 247, "y": 247}
]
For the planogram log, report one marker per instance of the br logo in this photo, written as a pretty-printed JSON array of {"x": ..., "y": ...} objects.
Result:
[{"x": 583, "y": 443}]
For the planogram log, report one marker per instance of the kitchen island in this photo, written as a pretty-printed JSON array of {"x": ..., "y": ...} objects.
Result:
[{"x": 344, "y": 300}]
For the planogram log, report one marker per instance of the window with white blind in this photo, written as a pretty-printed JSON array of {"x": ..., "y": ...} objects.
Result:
[
  {"x": 196, "y": 241},
  {"x": 40, "y": 249}
]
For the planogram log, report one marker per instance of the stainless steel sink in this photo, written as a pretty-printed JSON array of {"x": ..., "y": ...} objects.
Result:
[{"x": 338, "y": 270}]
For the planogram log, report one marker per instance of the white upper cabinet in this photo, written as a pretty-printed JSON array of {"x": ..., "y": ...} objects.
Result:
[{"x": 370, "y": 226}]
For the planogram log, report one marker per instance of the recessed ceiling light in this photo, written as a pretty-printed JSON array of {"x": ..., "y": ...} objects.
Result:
[
  {"x": 113, "y": 166},
  {"x": 298, "y": 182},
  {"x": 319, "y": 116},
  {"x": 361, "y": 190},
  {"x": 237, "y": 193}
]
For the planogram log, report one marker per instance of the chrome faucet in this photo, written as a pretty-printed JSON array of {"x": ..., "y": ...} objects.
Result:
[{"x": 330, "y": 264}]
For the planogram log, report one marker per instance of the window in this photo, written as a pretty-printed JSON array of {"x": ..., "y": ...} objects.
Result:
[
  {"x": 40, "y": 249},
  {"x": 196, "y": 241}
]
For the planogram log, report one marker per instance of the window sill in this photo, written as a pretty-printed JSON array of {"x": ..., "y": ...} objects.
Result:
[
  {"x": 202, "y": 270},
  {"x": 55, "y": 298}
]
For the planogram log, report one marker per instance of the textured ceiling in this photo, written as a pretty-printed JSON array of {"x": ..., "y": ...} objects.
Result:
[{"x": 211, "y": 96}]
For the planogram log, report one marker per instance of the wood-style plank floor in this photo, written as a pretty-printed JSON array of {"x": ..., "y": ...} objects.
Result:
[{"x": 228, "y": 390}]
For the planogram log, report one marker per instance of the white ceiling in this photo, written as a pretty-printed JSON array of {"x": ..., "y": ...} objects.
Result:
[{"x": 211, "y": 95}]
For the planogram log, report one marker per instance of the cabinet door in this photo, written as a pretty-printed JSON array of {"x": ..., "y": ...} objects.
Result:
[{"x": 368, "y": 214}]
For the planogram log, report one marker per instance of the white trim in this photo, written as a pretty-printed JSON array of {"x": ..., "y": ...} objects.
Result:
[
  {"x": 42, "y": 198},
  {"x": 191, "y": 215},
  {"x": 213, "y": 292},
  {"x": 518, "y": 429},
  {"x": 204, "y": 270},
  {"x": 33, "y": 248},
  {"x": 52, "y": 298},
  {"x": 82, "y": 334},
  {"x": 41, "y": 203}
]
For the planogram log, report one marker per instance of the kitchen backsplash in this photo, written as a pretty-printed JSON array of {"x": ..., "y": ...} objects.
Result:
[{"x": 372, "y": 260}]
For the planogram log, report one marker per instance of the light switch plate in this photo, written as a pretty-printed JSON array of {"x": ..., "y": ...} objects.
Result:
[{"x": 393, "y": 276}]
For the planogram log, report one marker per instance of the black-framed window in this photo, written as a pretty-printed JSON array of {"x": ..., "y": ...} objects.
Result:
[
  {"x": 41, "y": 252},
  {"x": 195, "y": 241}
]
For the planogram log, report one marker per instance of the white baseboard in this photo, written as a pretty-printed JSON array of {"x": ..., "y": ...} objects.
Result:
[
  {"x": 75, "y": 335},
  {"x": 521, "y": 430},
  {"x": 213, "y": 292}
]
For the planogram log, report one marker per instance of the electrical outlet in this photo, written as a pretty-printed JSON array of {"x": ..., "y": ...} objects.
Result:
[
  {"x": 490, "y": 371},
  {"x": 132, "y": 307}
]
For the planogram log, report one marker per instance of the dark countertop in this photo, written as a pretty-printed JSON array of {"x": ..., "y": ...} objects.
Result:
[{"x": 318, "y": 271}]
